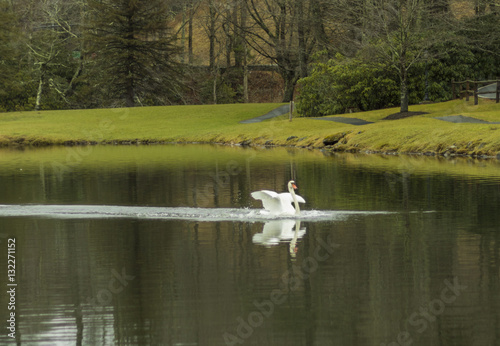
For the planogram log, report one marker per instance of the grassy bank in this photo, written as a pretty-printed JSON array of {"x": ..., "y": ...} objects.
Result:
[{"x": 219, "y": 124}]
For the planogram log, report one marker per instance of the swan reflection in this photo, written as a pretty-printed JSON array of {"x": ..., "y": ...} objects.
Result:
[{"x": 277, "y": 231}]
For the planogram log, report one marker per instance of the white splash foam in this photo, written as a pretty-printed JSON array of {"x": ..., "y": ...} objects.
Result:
[{"x": 168, "y": 213}]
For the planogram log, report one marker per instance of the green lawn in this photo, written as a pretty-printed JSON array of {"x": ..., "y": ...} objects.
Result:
[
  {"x": 105, "y": 125},
  {"x": 219, "y": 124}
]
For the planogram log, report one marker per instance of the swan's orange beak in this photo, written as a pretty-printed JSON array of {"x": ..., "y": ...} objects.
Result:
[{"x": 294, "y": 186}]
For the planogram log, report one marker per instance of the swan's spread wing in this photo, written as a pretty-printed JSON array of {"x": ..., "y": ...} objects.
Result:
[
  {"x": 287, "y": 196},
  {"x": 270, "y": 200},
  {"x": 264, "y": 194},
  {"x": 277, "y": 202},
  {"x": 300, "y": 199}
]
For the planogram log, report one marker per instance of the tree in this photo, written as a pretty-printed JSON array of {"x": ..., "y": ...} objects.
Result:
[
  {"x": 133, "y": 50},
  {"x": 401, "y": 33},
  {"x": 9, "y": 52},
  {"x": 52, "y": 39},
  {"x": 188, "y": 12},
  {"x": 212, "y": 29},
  {"x": 481, "y": 33},
  {"x": 279, "y": 32},
  {"x": 234, "y": 23}
]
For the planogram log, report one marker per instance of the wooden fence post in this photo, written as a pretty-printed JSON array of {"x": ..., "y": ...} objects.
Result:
[
  {"x": 291, "y": 111},
  {"x": 467, "y": 91},
  {"x": 453, "y": 89}
]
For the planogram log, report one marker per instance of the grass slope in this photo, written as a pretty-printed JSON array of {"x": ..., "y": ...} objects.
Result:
[
  {"x": 219, "y": 124},
  {"x": 160, "y": 124}
]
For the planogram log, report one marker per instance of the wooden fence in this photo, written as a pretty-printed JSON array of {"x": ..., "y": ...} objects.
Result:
[{"x": 459, "y": 89}]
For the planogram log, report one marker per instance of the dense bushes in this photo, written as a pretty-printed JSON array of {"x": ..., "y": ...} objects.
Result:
[
  {"x": 341, "y": 84},
  {"x": 361, "y": 83}
]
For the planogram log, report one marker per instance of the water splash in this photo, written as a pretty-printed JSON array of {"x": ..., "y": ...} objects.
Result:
[{"x": 169, "y": 213}]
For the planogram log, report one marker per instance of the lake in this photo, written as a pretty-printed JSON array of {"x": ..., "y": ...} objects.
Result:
[{"x": 163, "y": 245}]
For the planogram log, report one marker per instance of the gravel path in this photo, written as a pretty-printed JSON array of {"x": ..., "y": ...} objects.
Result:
[
  {"x": 274, "y": 113},
  {"x": 352, "y": 121},
  {"x": 286, "y": 108},
  {"x": 462, "y": 119},
  {"x": 355, "y": 121}
]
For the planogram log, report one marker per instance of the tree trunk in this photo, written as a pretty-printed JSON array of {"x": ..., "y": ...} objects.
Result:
[
  {"x": 229, "y": 49},
  {"x": 71, "y": 86},
  {"x": 183, "y": 35},
  {"x": 215, "y": 73},
  {"x": 190, "y": 37},
  {"x": 290, "y": 79},
  {"x": 242, "y": 40},
  {"x": 288, "y": 93},
  {"x": 130, "y": 96},
  {"x": 318, "y": 27},
  {"x": 39, "y": 93},
  {"x": 404, "y": 91},
  {"x": 245, "y": 74},
  {"x": 239, "y": 18},
  {"x": 211, "y": 35},
  {"x": 301, "y": 38},
  {"x": 129, "y": 87}
]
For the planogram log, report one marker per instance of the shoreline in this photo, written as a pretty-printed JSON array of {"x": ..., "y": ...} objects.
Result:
[
  {"x": 420, "y": 135},
  {"x": 452, "y": 153}
]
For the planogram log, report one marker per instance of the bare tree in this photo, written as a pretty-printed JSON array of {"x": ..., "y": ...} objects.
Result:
[
  {"x": 53, "y": 35},
  {"x": 189, "y": 8},
  {"x": 235, "y": 24},
  {"x": 212, "y": 27},
  {"x": 279, "y": 31},
  {"x": 399, "y": 33}
]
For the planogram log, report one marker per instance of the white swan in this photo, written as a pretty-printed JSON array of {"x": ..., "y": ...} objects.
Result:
[{"x": 280, "y": 203}]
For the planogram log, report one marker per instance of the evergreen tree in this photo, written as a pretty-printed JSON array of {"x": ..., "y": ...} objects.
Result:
[{"x": 132, "y": 51}]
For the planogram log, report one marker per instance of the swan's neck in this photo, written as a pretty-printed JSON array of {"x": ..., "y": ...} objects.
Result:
[{"x": 292, "y": 192}]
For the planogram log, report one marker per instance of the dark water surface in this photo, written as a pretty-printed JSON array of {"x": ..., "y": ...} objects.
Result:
[{"x": 163, "y": 245}]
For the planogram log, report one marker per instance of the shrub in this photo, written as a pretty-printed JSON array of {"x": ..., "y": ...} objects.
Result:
[{"x": 341, "y": 84}]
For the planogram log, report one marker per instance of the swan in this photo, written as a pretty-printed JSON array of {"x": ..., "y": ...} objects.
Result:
[{"x": 280, "y": 203}]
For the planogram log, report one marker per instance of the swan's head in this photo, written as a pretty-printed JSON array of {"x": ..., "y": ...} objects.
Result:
[{"x": 291, "y": 185}]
